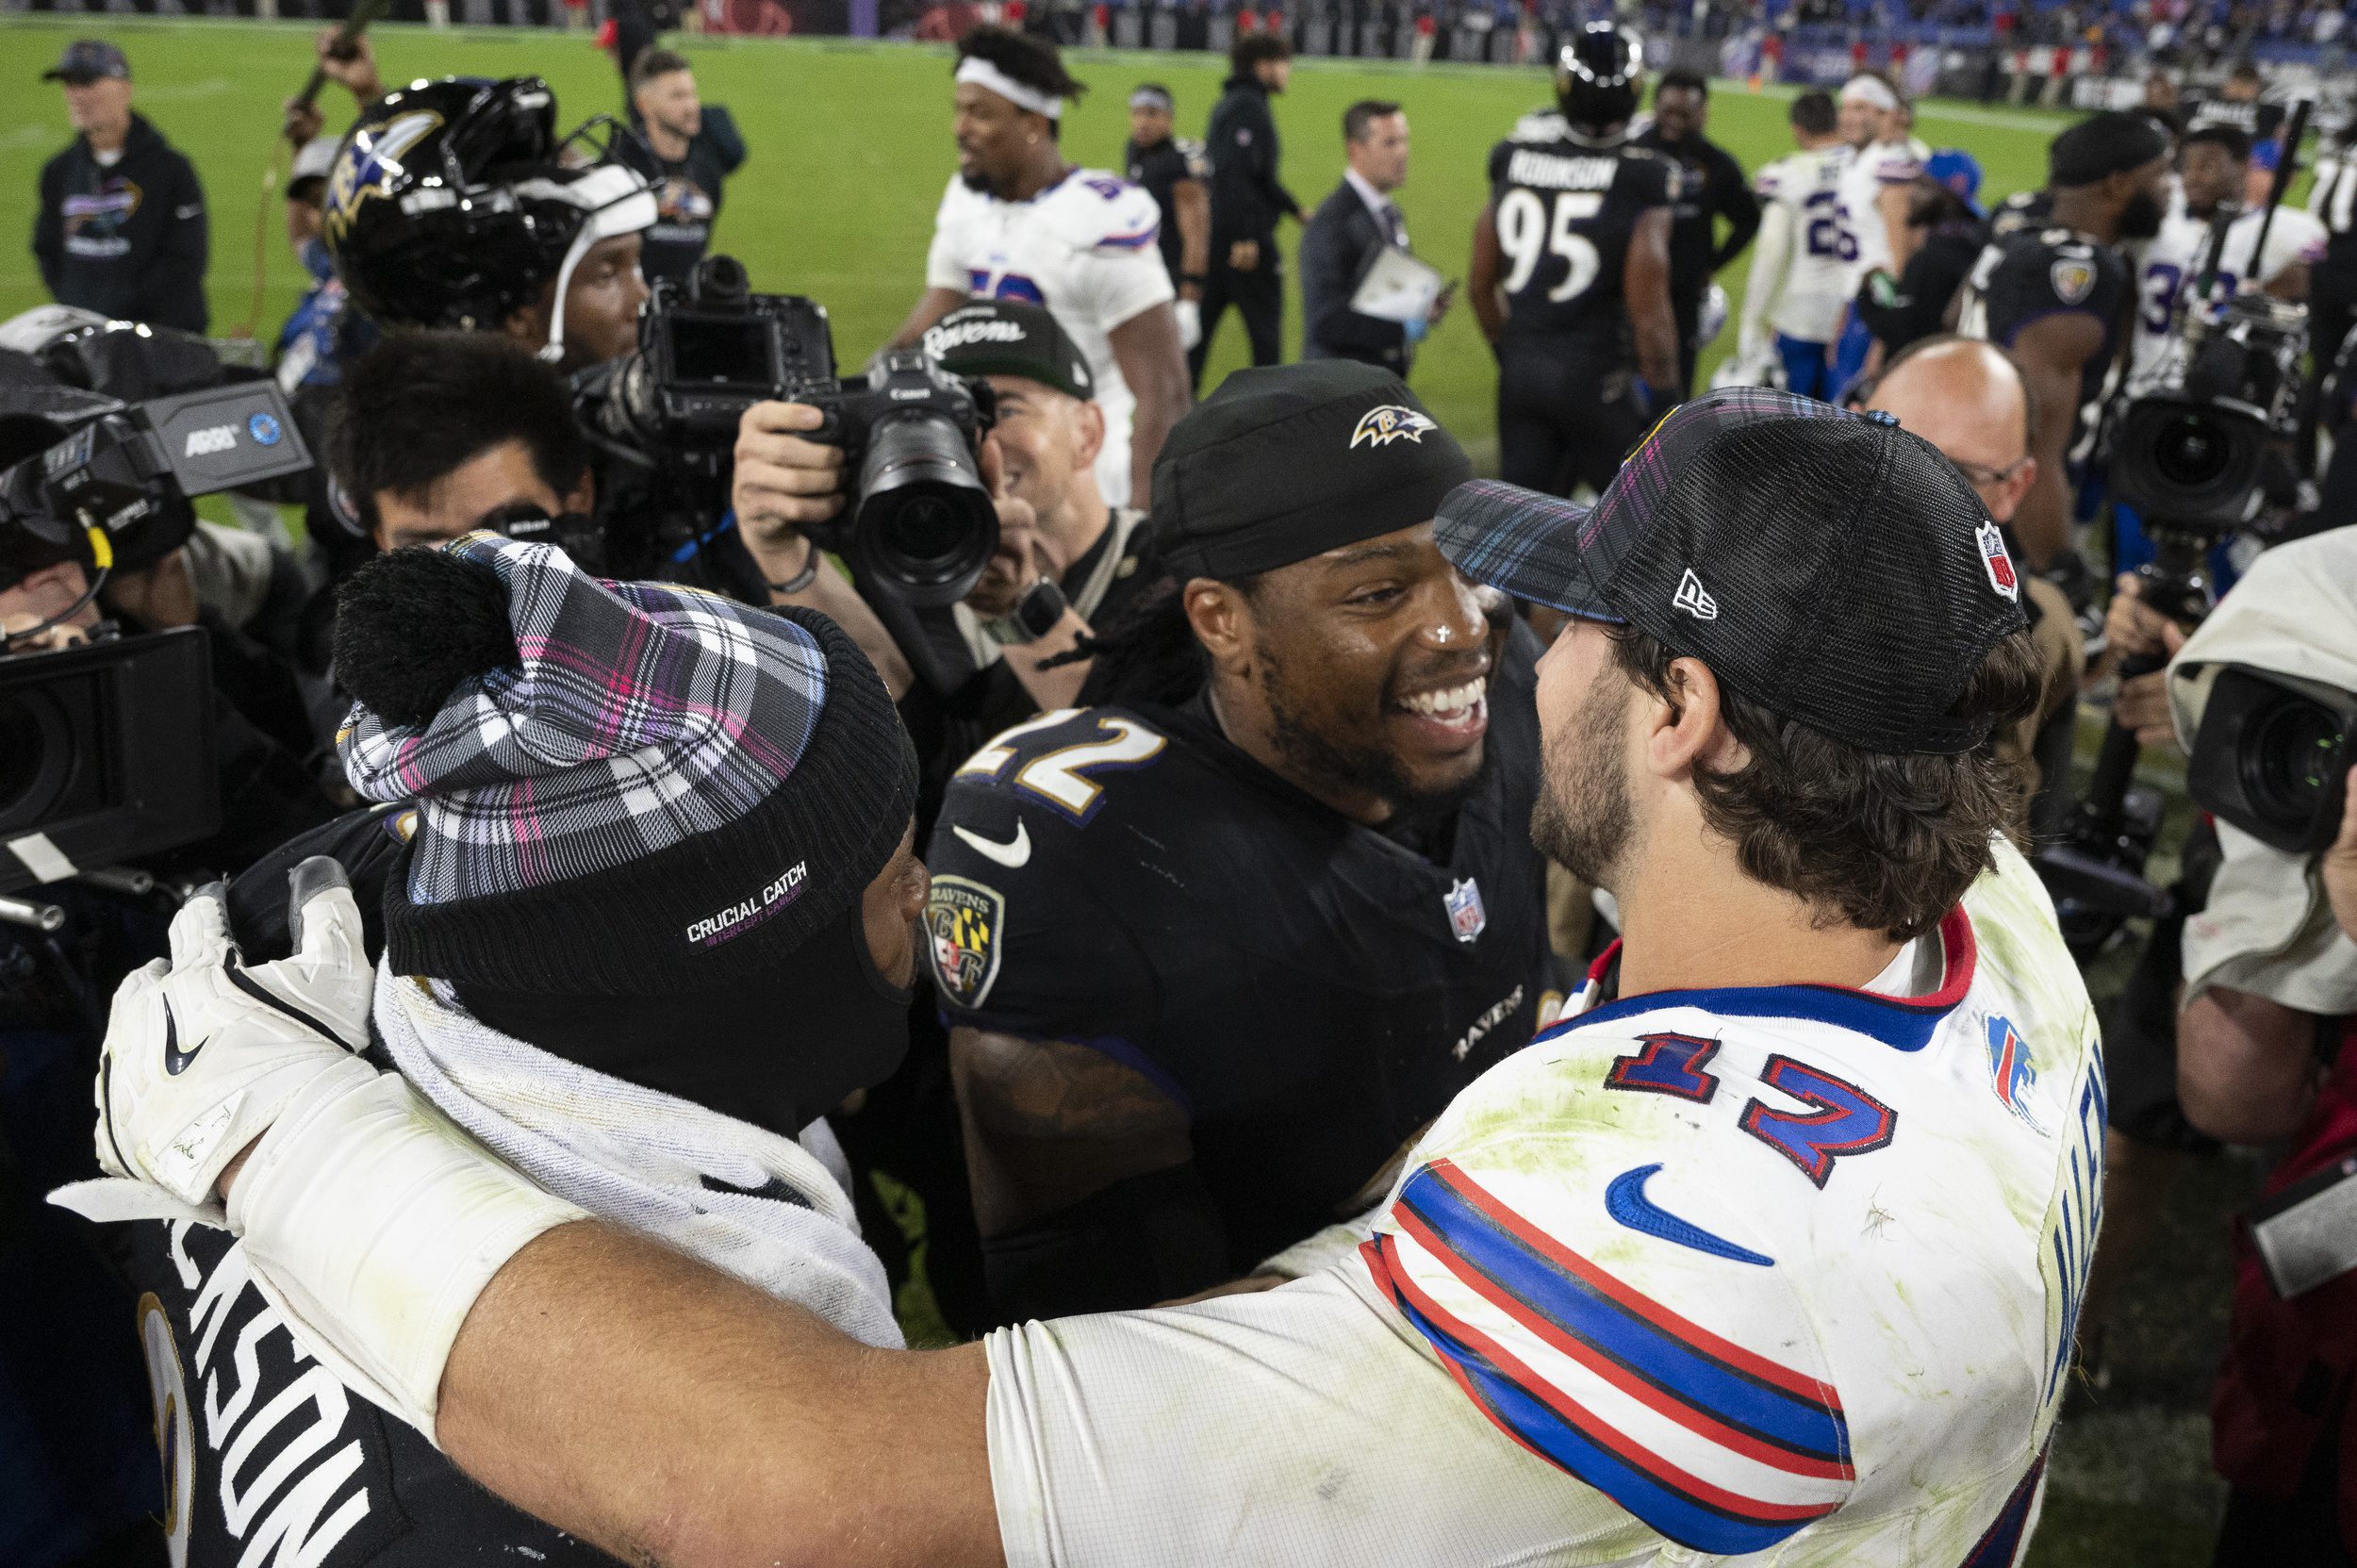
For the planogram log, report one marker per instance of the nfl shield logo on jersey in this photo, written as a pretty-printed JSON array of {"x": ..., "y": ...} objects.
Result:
[
  {"x": 1999, "y": 563},
  {"x": 2010, "y": 1071},
  {"x": 1466, "y": 916},
  {"x": 963, "y": 923}
]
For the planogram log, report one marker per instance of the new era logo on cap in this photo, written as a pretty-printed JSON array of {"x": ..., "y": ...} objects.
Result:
[{"x": 1694, "y": 599}]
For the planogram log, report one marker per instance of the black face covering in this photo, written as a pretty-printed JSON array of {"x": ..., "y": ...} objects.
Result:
[{"x": 778, "y": 1054}]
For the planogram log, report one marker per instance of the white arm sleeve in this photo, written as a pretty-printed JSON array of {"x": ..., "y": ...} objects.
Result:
[
  {"x": 943, "y": 267},
  {"x": 1770, "y": 252},
  {"x": 1304, "y": 1424}
]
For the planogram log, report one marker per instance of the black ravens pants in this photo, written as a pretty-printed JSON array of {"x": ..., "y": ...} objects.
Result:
[
  {"x": 1567, "y": 414},
  {"x": 1259, "y": 297}
]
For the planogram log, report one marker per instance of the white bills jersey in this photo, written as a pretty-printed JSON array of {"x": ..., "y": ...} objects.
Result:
[
  {"x": 2172, "y": 261},
  {"x": 1086, "y": 248},
  {"x": 1784, "y": 1273},
  {"x": 1874, "y": 170},
  {"x": 1816, "y": 285}
]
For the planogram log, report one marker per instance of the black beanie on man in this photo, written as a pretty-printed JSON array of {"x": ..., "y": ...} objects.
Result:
[{"x": 622, "y": 788}]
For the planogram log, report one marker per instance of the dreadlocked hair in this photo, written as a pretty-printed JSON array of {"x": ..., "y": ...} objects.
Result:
[{"x": 1151, "y": 653}]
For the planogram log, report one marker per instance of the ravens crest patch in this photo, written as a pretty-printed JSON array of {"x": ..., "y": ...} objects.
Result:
[
  {"x": 2073, "y": 279},
  {"x": 964, "y": 923}
]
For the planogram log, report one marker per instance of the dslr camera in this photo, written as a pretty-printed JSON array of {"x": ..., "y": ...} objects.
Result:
[
  {"x": 106, "y": 750},
  {"x": 918, "y": 522}
]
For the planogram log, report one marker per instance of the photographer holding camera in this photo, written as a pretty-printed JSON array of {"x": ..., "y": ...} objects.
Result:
[
  {"x": 143, "y": 734},
  {"x": 2264, "y": 695}
]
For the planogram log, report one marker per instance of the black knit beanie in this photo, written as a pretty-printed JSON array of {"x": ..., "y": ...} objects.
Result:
[{"x": 622, "y": 788}]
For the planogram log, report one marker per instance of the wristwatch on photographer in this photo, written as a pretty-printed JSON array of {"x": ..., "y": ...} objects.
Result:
[{"x": 1034, "y": 614}]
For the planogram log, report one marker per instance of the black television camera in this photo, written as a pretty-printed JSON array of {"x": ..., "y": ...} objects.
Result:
[
  {"x": 918, "y": 522},
  {"x": 106, "y": 750},
  {"x": 109, "y": 482},
  {"x": 2209, "y": 450},
  {"x": 2272, "y": 756}
]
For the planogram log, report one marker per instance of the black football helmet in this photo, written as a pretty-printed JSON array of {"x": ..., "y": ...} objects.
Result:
[
  {"x": 1599, "y": 77},
  {"x": 454, "y": 203}
]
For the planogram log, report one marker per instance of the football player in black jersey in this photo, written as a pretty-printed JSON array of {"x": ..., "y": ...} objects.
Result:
[
  {"x": 1571, "y": 275},
  {"x": 1178, "y": 175},
  {"x": 1215, "y": 951},
  {"x": 2058, "y": 297}
]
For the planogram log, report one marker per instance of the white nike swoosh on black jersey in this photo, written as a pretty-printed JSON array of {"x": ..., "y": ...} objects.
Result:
[{"x": 1012, "y": 854}]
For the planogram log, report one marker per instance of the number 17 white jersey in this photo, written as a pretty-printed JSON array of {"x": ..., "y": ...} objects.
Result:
[
  {"x": 1806, "y": 185},
  {"x": 1780, "y": 1274}
]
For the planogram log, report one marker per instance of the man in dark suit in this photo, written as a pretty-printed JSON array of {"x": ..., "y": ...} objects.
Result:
[{"x": 1353, "y": 224}]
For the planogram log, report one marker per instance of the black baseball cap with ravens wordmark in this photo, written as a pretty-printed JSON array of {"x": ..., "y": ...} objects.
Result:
[
  {"x": 1829, "y": 566},
  {"x": 1010, "y": 337}
]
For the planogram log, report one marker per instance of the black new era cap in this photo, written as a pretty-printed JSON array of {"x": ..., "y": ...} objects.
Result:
[
  {"x": 1829, "y": 566},
  {"x": 1009, "y": 338}
]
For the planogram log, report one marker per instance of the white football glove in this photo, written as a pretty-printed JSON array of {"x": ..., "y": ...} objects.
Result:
[
  {"x": 1190, "y": 316},
  {"x": 370, "y": 1221},
  {"x": 203, "y": 1053}
]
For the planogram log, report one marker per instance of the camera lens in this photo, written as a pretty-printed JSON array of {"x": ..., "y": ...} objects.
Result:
[
  {"x": 2191, "y": 451},
  {"x": 925, "y": 524},
  {"x": 2287, "y": 759},
  {"x": 35, "y": 750}
]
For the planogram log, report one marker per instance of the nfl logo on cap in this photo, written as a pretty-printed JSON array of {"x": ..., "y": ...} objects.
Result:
[{"x": 2001, "y": 573}]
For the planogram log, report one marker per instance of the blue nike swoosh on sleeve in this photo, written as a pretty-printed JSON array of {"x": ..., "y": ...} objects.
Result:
[{"x": 1626, "y": 1202}]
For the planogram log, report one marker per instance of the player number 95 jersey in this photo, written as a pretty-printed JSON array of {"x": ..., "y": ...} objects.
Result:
[{"x": 1565, "y": 210}]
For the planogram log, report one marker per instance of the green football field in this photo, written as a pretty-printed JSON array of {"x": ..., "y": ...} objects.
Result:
[{"x": 850, "y": 148}]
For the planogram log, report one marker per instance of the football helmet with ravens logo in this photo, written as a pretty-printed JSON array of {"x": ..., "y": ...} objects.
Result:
[
  {"x": 1599, "y": 76},
  {"x": 455, "y": 204}
]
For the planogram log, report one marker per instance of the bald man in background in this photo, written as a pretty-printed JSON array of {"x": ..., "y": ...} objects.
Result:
[{"x": 1967, "y": 397}]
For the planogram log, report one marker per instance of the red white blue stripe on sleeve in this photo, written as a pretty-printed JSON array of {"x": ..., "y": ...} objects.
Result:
[{"x": 1718, "y": 1448}]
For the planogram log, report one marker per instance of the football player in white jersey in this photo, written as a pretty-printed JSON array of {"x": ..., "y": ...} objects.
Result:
[
  {"x": 1018, "y": 223},
  {"x": 1800, "y": 279},
  {"x": 1876, "y": 192},
  {"x": 2212, "y": 168},
  {"x": 1776, "y": 1244}
]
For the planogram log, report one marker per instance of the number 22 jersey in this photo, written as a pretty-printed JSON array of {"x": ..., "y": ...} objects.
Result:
[
  {"x": 1309, "y": 990},
  {"x": 1565, "y": 208}
]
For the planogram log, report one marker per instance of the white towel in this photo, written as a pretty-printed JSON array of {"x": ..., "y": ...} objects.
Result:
[{"x": 640, "y": 1159}]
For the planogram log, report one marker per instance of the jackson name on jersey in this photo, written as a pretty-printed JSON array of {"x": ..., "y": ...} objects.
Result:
[{"x": 1087, "y": 248}]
